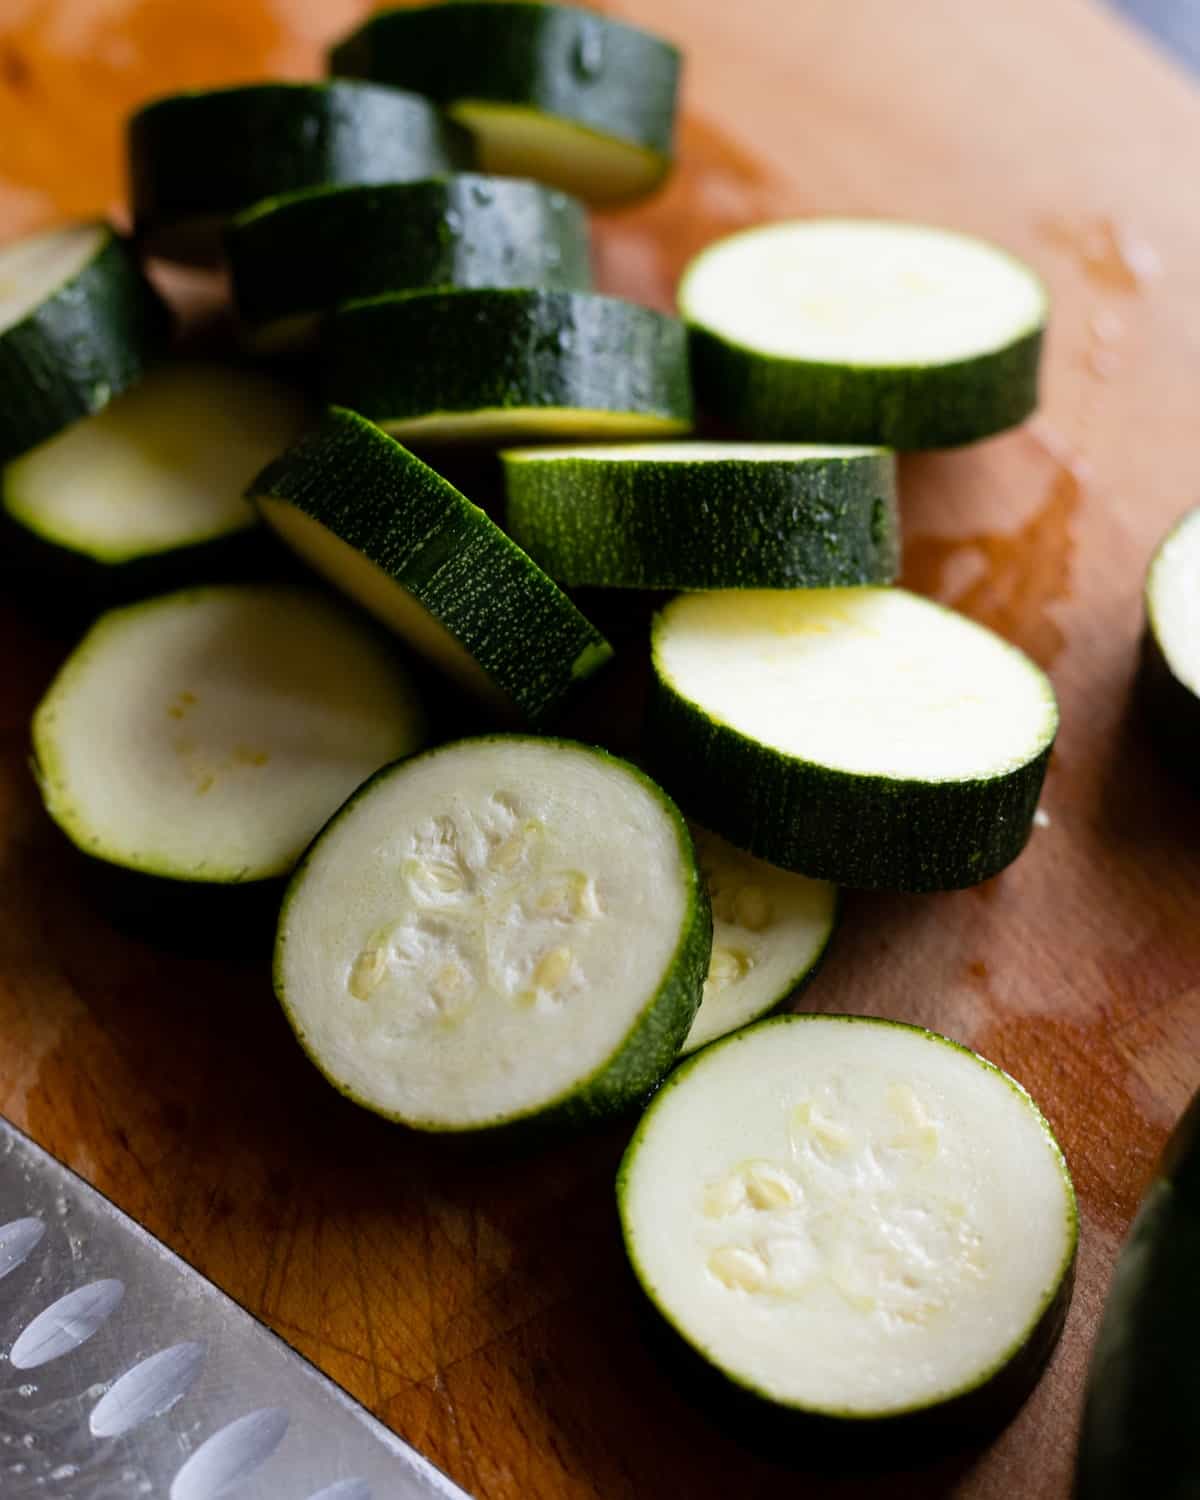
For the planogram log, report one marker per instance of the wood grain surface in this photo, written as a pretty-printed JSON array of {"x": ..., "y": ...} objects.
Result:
[{"x": 480, "y": 1305}]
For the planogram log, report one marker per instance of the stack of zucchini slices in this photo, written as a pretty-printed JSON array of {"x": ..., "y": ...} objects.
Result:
[{"x": 512, "y": 932}]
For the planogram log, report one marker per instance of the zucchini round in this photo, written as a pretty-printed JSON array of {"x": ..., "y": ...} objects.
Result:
[
  {"x": 552, "y": 92},
  {"x": 852, "y": 1220},
  {"x": 196, "y": 159},
  {"x": 464, "y": 230},
  {"x": 79, "y": 323},
  {"x": 527, "y": 943},
  {"x": 863, "y": 331},
  {"x": 706, "y": 515},
  {"x": 865, "y": 736},
  {"x": 406, "y": 545},
  {"x": 1170, "y": 677},
  {"x": 491, "y": 365}
]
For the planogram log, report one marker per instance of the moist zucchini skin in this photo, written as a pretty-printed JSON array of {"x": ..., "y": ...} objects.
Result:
[
  {"x": 732, "y": 523},
  {"x": 462, "y": 230},
  {"x": 649, "y": 1048},
  {"x": 1141, "y": 1420},
  {"x": 407, "y": 356},
  {"x": 201, "y": 157},
  {"x": 88, "y": 341},
  {"x": 382, "y": 500},
  {"x": 870, "y": 832},
  {"x": 612, "y": 78},
  {"x": 905, "y": 407}
]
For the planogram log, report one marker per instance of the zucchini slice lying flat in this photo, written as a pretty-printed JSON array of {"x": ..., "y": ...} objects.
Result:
[
  {"x": 494, "y": 365},
  {"x": 770, "y": 929},
  {"x": 706, "y": 515},
  {"x": 549, "y": 91},
  {"x": 196, "y": 159},
  {"x": 528, "y": 941},
  {"x": 1170, "y": 678},
  {"x": 206, "y": 735},
  {"x": 865, "y": 736},
  {"x": 462, "y": 230},
  {"x": 78, "y": 324},
  {"x": 149, "y": 492},
  {"x": 864, "y": 331},
  {"x": 404, "y": 543},
  {"x": 852, "y": 1219}
]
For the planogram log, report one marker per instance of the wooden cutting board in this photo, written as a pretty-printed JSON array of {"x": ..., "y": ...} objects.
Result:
[{"x": 479, "y": 1306}]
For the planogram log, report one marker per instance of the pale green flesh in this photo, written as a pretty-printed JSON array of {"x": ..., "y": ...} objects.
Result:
[
  {"x": 769, "y": 928},
  {"x": 683, "y": 453},
  {"x": 207, "y": 735},
  {"x": 864, "y": 293},
  {"x": 876, "y": 681},
  {"x": 1173, "y": 600},
  {"x": 495, "y": 424},
  {"x": 33, "y": 269},
  {"x": 162, "y": 466},
  {"x": 847, "y": 1216},
  {"x": 478, "y": 933}
]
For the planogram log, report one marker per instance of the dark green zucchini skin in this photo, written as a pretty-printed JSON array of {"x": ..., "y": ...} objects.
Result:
[
  {"x": 196, "y": 159},
  {"x": 1141, "y": 1420},
  {"x": 88, "y": 341},
  {"x": 382, "y": 500},
  {"x": 715, "y": 524},
  {"x": 559, "y": 60},
  {"x": 406, "y": 356},
  {"x": 309, "y": 251},
  {"x": 921, "y": 406},
  {"x": 1171, "y": 710}
]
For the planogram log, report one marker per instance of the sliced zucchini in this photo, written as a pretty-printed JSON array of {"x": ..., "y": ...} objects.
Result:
[
  {"x": 196, "y": 159},
  {"x": 852, "y": 1220},
  {"x": 78, "y": 324},
  {"x": 864, "y": 331},
  {"x": 526, "y": 943},
  {"x": 205, "y": 735},
  {"x": 865, "y": 736},
  {"x": 706, "y": 515},
  {"x": 491, "y": 365},
  {"x": 404, "y": 543},
  {"x": 770, "y": 928},
  {"x": 150, "y": 491},
  {"x": 464, "y": 230},
  {"x": 552, "y": 92},
  {"x": 1170, "y": 678}
]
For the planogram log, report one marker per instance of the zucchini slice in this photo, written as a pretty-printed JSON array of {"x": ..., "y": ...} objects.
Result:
[
  {"x": 406, "y": 545},
  {"x": 852, "y": 1220},
  {"x": 463, "y": 230},
  {"x": 493, "y": 365},
  {"x": 196, "y": 159},
  {"x": 526, "y": 943},
  {"x": 865, "y": 736},
  {"x": 1141, "y": 1419},
  {"x": 706, "y": 515},
  {"x": 770, "y": 930},
  {"x": 1170, "y": 678},
  {"x": 78, "y": 324},
  {"x": 551, "y": 92},
  {"x": 206, "y": 735},
  {"x": 149, "y": 492},
  {"x": 864, "y": 331}
]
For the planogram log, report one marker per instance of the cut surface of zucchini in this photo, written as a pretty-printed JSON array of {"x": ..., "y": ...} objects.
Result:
[
  {"x": 527, "y": 940},
  {"x": 1173, "y": 601},
  {"x": 496, "y": 364},
  {"x": 206, "y": 735},
  {"x": 864, "y": 331},
  {"x": 850, "y": 1218},
  {"x": 770, "y": 929},
  {"x": 78, "y": 324},
  {"x": 460, "y": 230},
  {"x": 866, "y": 736},
  {"x": 552, "y": 92},
  {"x": 402, "y": 541},
  {"x": 705, "y": 515}
]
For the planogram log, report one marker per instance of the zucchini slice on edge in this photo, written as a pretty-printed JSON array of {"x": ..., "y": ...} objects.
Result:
[{"x": 1170, "y": 677}]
